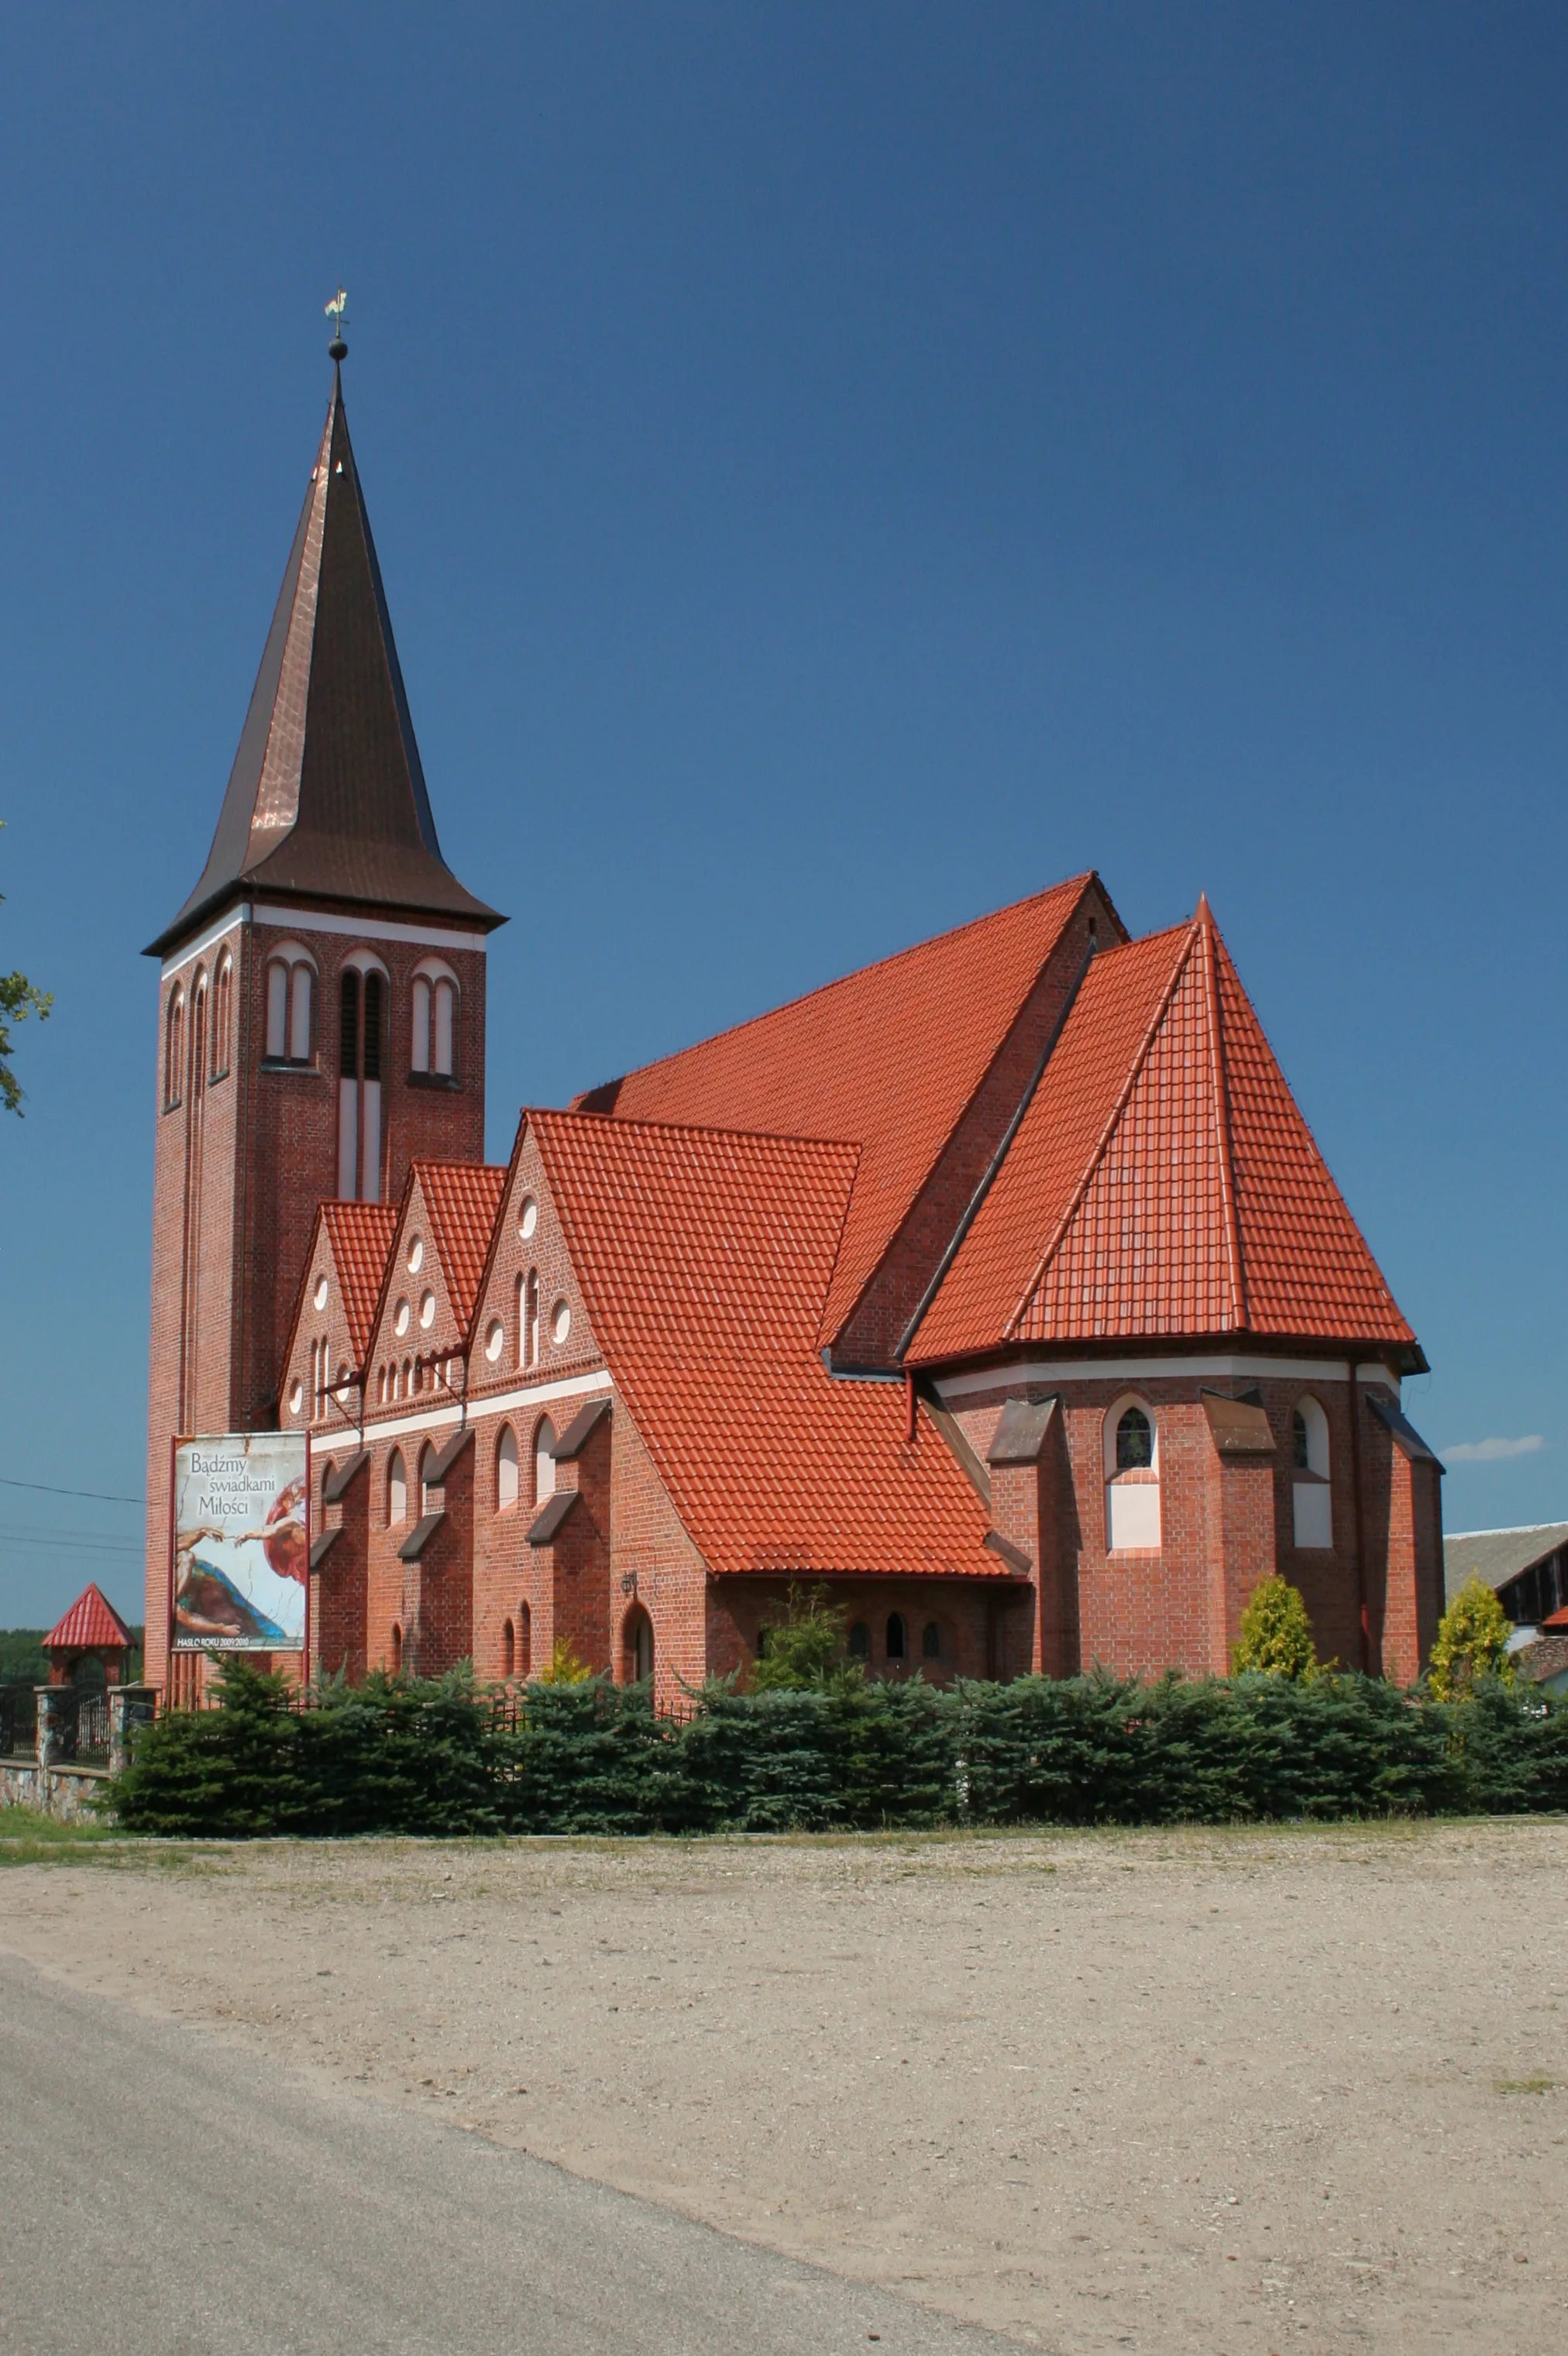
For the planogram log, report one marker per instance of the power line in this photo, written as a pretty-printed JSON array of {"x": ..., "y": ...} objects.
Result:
[{"x": 46, "y": 1488}]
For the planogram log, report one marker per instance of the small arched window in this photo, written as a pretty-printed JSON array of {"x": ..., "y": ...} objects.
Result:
[
  {"x": 860, "y": 1642},
  {"x": 397, "y": 1490},
  {"x": 434, "y": 1019},
  {"x": 506, "y": 1469},
  {"x": 427, "y": 1465},
  {"x": 528, "y": 1322},
  {"x": 508, "y": 1651},
  {"x": 1312, "y": 1493},
  {"x": 222, "y": 1015},
  {"x": 397, "y": 1650},
  {"x": 544, "y": 1460},
  {"x": 291, "y": 985},
  {"x": 638, "y": 1637},
  {"x": 930, "y": 1642},
  {"x": 525, "y": 1640},
  {"x": 174, "y": 1049},
  {"x": 896, "y": 1636},
  {"x": 1132, "y": 1479}
]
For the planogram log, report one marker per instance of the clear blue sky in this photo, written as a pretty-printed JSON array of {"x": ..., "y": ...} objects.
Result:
[{"x": 836, "y": 468}]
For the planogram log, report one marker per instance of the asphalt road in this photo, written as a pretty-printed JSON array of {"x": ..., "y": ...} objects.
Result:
[{"x": 161, "y": 2190}]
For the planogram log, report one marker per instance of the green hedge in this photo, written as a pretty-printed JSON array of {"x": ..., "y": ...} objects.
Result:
[{"x": 441, "y": 1756}]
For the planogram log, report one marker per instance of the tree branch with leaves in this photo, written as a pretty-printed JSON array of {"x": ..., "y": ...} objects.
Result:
[{"x": 18, "y": 999}]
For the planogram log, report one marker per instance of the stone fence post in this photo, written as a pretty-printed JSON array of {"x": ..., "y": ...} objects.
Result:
[
  {"x": 129, "y": 1707},
  {"x": 57, "y": 1705}
]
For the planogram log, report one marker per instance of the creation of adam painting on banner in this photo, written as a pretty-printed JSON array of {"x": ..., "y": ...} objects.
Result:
[{"x": 241, "y": 1542}]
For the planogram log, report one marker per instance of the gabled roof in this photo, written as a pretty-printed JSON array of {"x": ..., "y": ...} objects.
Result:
[
  {"x": 1162, "y": 1182},
  {"x": 1497, "y": 1555},
  {"x": 461, "y": 1199},
  {"x": 360, "y": 1234},
  {"x": 704, "y": 1256},
  {"x": 889, "y": 1056},
  {"x": 91, "y": 1622},
  {"x": 326, "y": 798}
]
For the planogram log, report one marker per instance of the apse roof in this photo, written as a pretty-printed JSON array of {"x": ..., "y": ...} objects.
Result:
[
  {"x": 1162, "y": 1182},
  {"x": 326, "y": 799},
  {"x": 889, "y": 1056},
  {"x": 704, "y": 1256}
]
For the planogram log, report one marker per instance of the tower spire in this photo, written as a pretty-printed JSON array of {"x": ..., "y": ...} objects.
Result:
[{"x": 326, "y": 799}]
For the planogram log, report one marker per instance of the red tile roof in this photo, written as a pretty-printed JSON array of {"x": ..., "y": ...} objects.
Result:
[
  {"x": 91, "y": 1622},
  {"x": 463, "y": 1198},
  {"x": 360, "y": 1234},
  {"x": 889, "y": 1056},
  {"x": 1162, "y": 1182},
  {"x": 704, "y": 1256}
]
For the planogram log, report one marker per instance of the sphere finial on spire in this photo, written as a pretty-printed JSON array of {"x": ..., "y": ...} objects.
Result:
[{"x": 338, "y": 312}]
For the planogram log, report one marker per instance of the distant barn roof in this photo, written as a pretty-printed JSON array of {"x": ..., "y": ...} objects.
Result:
[
  {"x": 1497, "y": 1555},
  {"x": 91, "y": 1623},
  {"x": 326, "y": 799}
]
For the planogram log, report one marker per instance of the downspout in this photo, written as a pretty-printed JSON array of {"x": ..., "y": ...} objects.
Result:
[{"x": 1361, "y": 1543}]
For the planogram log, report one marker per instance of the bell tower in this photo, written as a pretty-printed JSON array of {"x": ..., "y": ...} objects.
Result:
[{"x": 321, "y": 1005}]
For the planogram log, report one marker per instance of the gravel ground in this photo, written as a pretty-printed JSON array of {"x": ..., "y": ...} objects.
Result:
[{"x": 1221, "y": 2091}]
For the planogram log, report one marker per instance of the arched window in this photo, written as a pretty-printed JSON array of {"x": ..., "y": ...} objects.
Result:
[
  {"x": 506, "y": 1469},
  {"x": 1132, "y": 1479},
  {"x": 860, "y": 1642},
  {"x": 1312, "y": 1494},
  {"x": 290, "y": 982},
  {"x": 427, "y": 1462},
  {"x": 174, "y": 1049},
  {"x": 895, "y": 1636},
  {"x": 222, "y": 1015},
  {"x": 509, "y": 1650},
  {"x": 930, "y": 1642},
  {"x": 397, "y": 1650},
  {"x": 529, "y": 1321},
  {"x": 397, "y": 1490},
  {"x": 434, "y": 1019},
  {"x": 544, "y": 1460},
  {"x": 361, "y": 1021},
  {"x": 637, "y": 1641},
  {"x": 525, "y": 1640}
]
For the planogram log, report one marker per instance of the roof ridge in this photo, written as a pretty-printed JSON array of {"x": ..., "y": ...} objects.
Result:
[
  {"x": 1101, "y": 1145},
  {"x": 1220, "y": 1080},
  {"x": 688, "y": 1128},
  {"x": 841, "y": 981}
]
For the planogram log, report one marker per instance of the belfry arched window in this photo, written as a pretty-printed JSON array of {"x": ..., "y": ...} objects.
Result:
[
  {"x": 174, "y": 1049},
  {"x": 222, "y": 1015},
  {"x": 291, "y": 993},
  {"x": 1312, "y": 1490},
  {"x": 361, "y": 1022},
  {"x": 433, "y": 1012},
  {"x": 1132, "y": 1478}
]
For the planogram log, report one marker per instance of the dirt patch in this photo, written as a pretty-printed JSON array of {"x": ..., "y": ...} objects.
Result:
[{"x": 1217, "y": 2091}]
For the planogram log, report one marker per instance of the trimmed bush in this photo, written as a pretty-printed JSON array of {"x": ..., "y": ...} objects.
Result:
[{"x": 442, "y": 1756}]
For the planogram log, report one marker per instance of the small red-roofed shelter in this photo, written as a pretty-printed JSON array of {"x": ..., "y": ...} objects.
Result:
[{"x": 91, "y": 1631}]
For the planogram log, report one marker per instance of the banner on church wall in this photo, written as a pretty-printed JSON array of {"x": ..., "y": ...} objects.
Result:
[{"x": 241, "y": 1542}]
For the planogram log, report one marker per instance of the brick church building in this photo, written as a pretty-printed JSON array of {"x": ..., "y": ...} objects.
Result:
[{"x": 1000, "y": 1285}]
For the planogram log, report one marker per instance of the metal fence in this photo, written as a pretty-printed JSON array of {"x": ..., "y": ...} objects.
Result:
[
  {"x": 18, "y": 1721},
  {"x": 81, "y": 1725}
]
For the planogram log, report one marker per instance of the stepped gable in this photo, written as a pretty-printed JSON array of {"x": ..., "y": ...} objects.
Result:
[
  {"x": 326, "y": 799},
  {"x": 462, "y": 1198},
  {"x": 91, "y": 1622},
  {"x": 704, "y": 1256},
  {"x": 361, "y": 1236},
  {"x": 1162, "y": 1182},
  {"x": 889, "y": 1056}
]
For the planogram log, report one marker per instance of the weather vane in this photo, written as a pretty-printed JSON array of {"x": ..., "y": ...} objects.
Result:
[{"x": 338, "y": 312}]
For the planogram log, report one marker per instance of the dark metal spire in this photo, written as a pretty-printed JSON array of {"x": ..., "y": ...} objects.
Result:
[{"x": 326, "y": 799}]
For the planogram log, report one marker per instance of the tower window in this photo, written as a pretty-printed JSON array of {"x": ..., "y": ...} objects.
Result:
[
  {"x": 291, "y": 981},
  {"x": 222, "y": 1015},
  {"x": 433, "y": 1025},
  {"x": 361, "y": 1023},
  {"x": 174, "y": 1048}
]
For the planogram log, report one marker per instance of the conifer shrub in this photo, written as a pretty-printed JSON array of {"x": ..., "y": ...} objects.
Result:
[
  {"x": 1471, "y": 1644},
  {"x": 1276, "y": 1637}
]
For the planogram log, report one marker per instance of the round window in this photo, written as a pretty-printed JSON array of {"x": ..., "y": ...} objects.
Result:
[
  {"x": 296, "y": 1399},
  {"x": 494, "y": 1336},
  {"x": 400, "y": 1321},
  {"x": 416, "y": 1255},
  {"x": 320, "y": 1294},
  {"x": 427, "y": 1310},
  {"x": 559, "y": 1321},
  {"x": 528, "y": 1216}
]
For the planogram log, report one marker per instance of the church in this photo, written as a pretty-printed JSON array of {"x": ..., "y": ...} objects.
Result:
[{"x": 1000, "y": 1287}]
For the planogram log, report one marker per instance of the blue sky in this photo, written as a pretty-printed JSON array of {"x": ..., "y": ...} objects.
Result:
[{"x": 836, "y": 468}]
